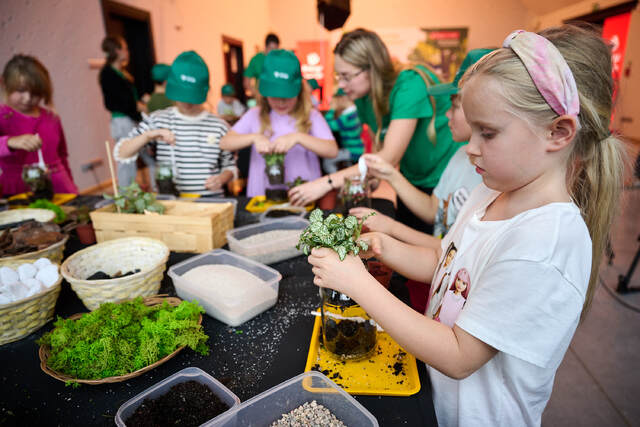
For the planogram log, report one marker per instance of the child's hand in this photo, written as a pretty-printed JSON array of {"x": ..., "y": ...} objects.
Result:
[
  {"x": 162, "y": 135},
  {"x": 332, "y": 273},
  {"x": 378, "y": 167},
  {"x": 214, "y": 183},
  {"x": 302, "y": 195},
  {"x": 378, "y": 222},
  {"x": 284, "y": 143},
  {"x": 26, "y": 142},
  {"x": 374, "y": 240},
  {"x": 262, "y": 144}
]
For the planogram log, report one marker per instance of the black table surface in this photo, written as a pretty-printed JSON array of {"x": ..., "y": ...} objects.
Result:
[{"x": 248, "y": 359}]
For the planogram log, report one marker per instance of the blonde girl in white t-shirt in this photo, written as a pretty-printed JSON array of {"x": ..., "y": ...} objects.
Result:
[{"x": 531, "y": 237}]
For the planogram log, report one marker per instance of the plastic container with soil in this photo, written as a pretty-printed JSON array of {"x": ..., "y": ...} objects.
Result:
[
  {"x": 188, "y": 374},
  {"x": 38, "y": 181},
  {"x": 282, "y": 211},
  {"x": 347, "y": 330},
  {"x": 354, "y": 193},
  {"x": 232, "y": 306},
  {"x": 269, "y": 406},
  {"x": 268, "y": 242}
]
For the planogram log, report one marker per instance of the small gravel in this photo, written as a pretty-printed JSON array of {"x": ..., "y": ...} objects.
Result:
[{"x": 309, "y": 414}]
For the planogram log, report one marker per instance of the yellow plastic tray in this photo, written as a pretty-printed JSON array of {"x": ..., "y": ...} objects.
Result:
[
  {"x": 260, "y": 204},
  {"x": 58, "y": 198},
  {"x": 373, "y": 376}
]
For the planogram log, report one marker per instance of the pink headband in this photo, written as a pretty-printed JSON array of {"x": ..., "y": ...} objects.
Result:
[{"x": 548, "y": 70}]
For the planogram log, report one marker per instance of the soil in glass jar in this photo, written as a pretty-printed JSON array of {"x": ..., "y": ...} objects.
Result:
[
  {"x": 275, "y": 173},
  {"x": 347, "y": 330},
  {"x": 165, "y": 179},
  {"x": 38, "y": 181},
  {"x": 354, "y": 193},
  {"x": 276, "y": 195}
]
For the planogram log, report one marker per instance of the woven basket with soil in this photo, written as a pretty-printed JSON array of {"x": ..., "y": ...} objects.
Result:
[
  {"x": 44, "y": 351},
  {"x": 115, "y": 258}
]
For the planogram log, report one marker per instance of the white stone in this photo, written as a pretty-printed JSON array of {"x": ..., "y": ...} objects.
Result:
[
  {"x": 8, "y": 276},
  {"x": 48, "y": 275},
  {"x": 35, "y": 286},
  {"x": 41, "y": 263},
  {"x": 27, "y": 271}
]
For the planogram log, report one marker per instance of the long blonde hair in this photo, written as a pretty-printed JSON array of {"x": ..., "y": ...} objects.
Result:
[
  {"x": 596, "y": 163},
  {"x": 301, "y": 113},
  {"x": 364, "y": 49}
]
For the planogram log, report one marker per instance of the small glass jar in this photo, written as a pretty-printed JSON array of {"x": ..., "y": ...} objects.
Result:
[
  {"x": 355, "y": 192},
  {"x": 165, "y": 179},
  {"x": 347, "y": 330},
  {"x": 275, "y": 173},
  {"x": 38, "y": 181}
]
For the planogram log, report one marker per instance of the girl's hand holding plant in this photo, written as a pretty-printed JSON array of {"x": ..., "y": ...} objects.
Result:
[
  {"x": 262, "y": 144},
  {"x": 332, "y": 273},
  {"x": 377, "y": 222},
  {"x": 26, "y": 142},
  {"x": 284, "y": 143}
]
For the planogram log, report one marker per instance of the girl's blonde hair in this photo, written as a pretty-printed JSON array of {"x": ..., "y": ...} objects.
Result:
[
  {"x": 26, "y": 72},
  {"x": 596, "y": 161},
  {"x": 364, "y": 49},
  {"x": 301, "y": 112}
]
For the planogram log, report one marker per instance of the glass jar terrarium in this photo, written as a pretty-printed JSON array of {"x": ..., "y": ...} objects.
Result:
[
  {"x": 347, "y": 330},
  {"x": 274, "y": 168},
  {"x": 165, "y": 179},
  {"x": 38, "y": 181},
  {"x": 355, "y": 192}
]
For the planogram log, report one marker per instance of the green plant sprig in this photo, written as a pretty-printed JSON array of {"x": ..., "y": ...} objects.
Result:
[
  {"x": 133, "y": 200},
  {"x": 334, "y": 232},
  {"x": 117, "y": 339},
  {"x": 61, "y": 216},
  {"x": 274, "y": 158}
]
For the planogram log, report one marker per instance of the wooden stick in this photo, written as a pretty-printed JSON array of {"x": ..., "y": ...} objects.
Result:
[{"x": 113, "y": 175}]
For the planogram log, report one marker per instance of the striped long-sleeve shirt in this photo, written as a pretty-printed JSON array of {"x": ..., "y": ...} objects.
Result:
[
  {"x": 349, "y": 127},
  {"x": 197, "y": 150}
]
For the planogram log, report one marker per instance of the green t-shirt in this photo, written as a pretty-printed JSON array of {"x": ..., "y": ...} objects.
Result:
[
  {"x": 158, "y": 101},
  {"x": 255, "y": 66},
  {"x": 422, "y": 163}
]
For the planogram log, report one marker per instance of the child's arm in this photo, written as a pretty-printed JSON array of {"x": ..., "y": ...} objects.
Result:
[
  {"x": 234, "y": 141},
  {"x": 451, "y": 351},
  {"x": 130, "y": 147},
  {"x": 26, "y": 142},
  {"x": 322, "y": 147},
  {"x": 423, "y": 205},
  {"x": 397, "y": 230}
]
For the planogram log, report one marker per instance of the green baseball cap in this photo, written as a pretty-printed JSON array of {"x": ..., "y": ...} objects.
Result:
[
  {"x": 188, "y": 79},
  {"x": 228, "y": 90},
  {"x": 280, "y": 76},
  {"x": 340, "y": 92},
  {"x": 452, "y": 88},
  {"x": 314, "y": 84},
  {"x": 160, "y": 72}
]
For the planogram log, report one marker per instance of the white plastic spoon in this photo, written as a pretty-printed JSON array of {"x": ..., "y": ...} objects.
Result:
[{"x": 362, "y": 167}]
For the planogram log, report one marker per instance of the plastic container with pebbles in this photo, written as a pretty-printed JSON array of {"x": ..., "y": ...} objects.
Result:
[
  {"x": 216, "y": 399},
  {"x": 231, "y": 288},
  {"x": 115, "y": 258}
]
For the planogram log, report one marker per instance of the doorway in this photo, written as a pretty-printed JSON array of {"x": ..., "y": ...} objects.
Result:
[
  {"x": 134, "y": 25},
  {"x": 234, "y": 65}
]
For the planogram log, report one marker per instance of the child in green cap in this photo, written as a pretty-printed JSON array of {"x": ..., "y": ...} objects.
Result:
[
  {"x": 229, "y": 108},
  {"x": 188, "y": 136},
  {"x": 159, "y": 100},
  {"x": 283, "y": 122},
  {"x": 342, "y": 118}
]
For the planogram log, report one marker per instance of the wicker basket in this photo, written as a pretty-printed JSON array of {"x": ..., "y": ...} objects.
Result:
[
  {"x": 119, "y": 255},
  {"x": 19, "y": 319},
  {"x": 54, "y": 253},
  {"x": 44, "y": 352},
  {"x": 16, "y": 215}
]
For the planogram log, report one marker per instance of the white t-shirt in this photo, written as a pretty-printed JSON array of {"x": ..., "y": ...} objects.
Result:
[
  {"x": 526, "y": 280},
  {"x": 457, "y": 182}
]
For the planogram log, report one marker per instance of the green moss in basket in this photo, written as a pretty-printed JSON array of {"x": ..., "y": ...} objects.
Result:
[
  {"x": 339, "y": 234},
  {"x": 133, "y": 200},
  {"x": 46, "y": 204},
  {"x": 117, "y": 339}
]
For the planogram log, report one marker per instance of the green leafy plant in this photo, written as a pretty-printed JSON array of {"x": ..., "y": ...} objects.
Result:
[
  {"x": 46, "y": 204},
  {"x": 339, "y": 234},
  {"x": 117, "y": 339},
  {"x": 274, "y": 158},
  {"x": 133, "y": 200},
  {"x": 296, "y": 182}
]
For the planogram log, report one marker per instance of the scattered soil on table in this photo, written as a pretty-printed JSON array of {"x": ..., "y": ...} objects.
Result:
[
  {"x": 101, "y": 275},
  {"x": 185, "y": 404}
]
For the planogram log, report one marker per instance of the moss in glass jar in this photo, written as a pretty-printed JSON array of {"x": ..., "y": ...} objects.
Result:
[
  {"x": 165, "y": 179},
  {"x": 38, "y": 181}
]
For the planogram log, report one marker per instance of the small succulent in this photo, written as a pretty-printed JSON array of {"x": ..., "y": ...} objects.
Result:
[{"x": 133, "y": 200}]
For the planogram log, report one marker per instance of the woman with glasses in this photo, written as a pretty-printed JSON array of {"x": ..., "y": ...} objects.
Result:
[{"x": 410, "y": 126}]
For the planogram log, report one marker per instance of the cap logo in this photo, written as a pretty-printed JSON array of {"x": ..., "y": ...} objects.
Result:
[
  {"x": 186, "y": 78},
  {"x": 280, "y": 75}
]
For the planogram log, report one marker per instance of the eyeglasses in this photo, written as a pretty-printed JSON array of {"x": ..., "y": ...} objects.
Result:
[{"x": 347, "y": 77}]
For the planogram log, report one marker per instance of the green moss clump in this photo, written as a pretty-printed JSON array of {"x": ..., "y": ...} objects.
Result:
[{"x": 117, "y": 339}]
